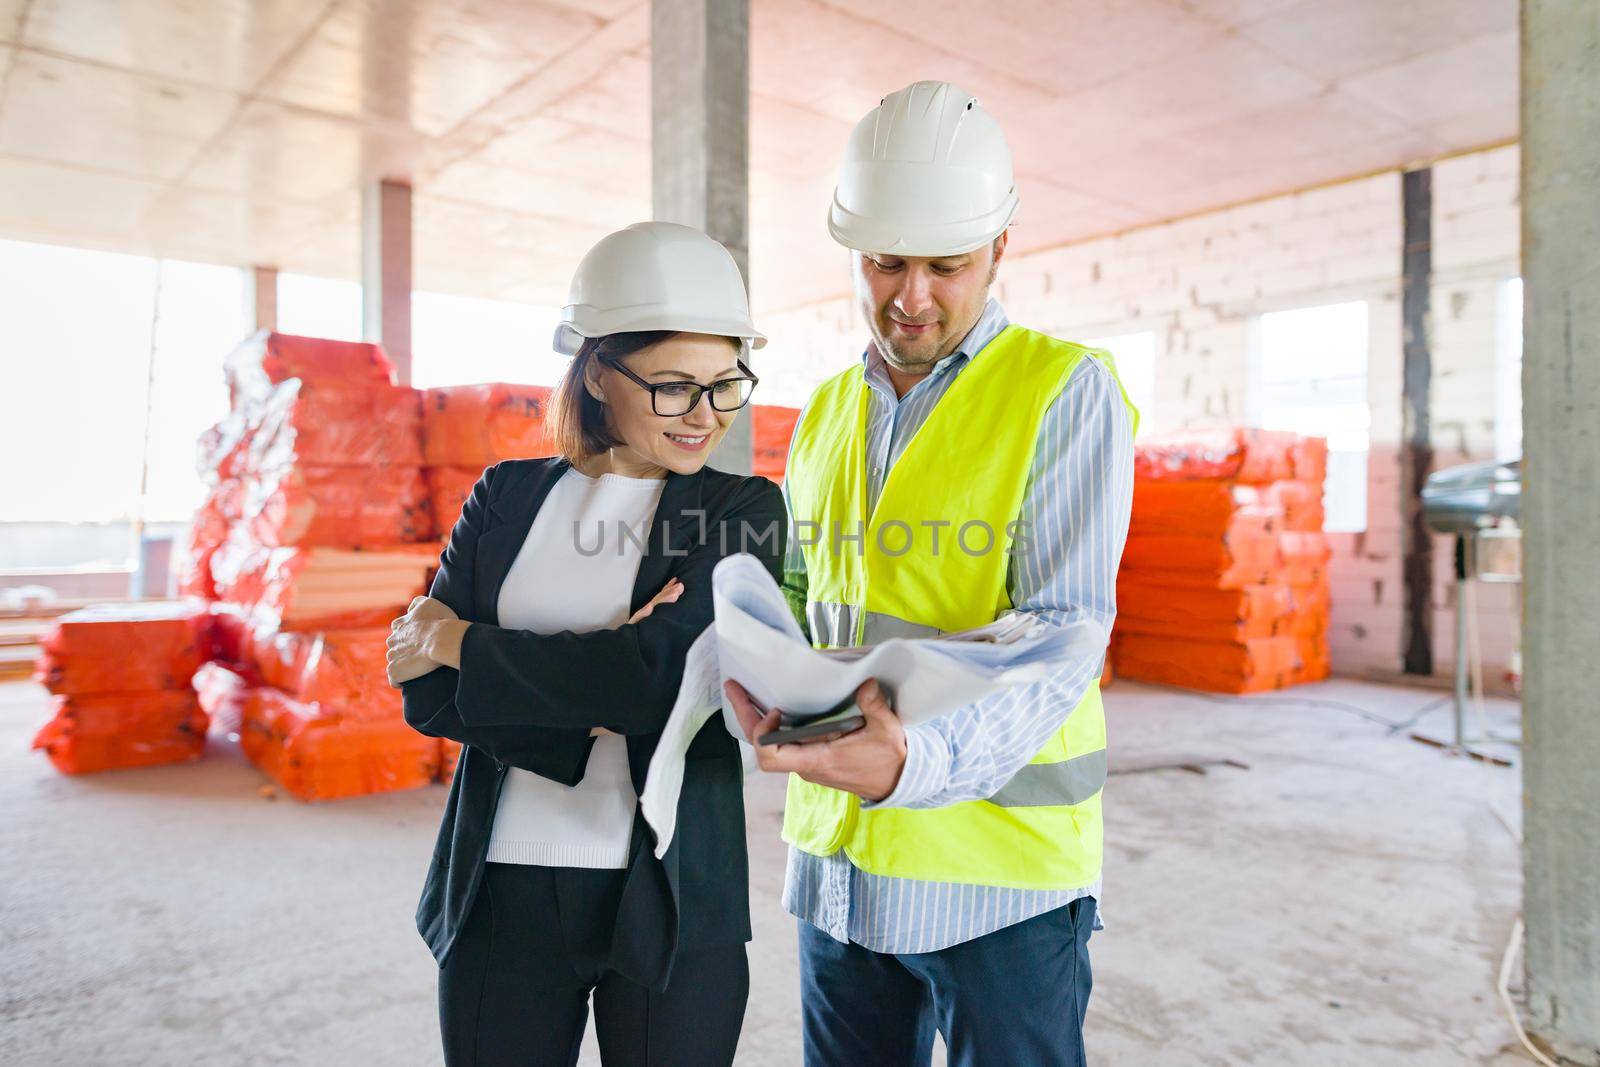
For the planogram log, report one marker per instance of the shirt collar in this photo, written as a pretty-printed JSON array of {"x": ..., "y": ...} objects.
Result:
[{"x": 990, "y": 325}]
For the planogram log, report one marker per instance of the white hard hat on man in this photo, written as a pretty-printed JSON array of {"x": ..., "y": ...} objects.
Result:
[{"x": 926, "y": 173}]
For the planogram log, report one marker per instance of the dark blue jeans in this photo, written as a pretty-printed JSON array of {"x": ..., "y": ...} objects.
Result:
[{"x": 1011, "y": 998}]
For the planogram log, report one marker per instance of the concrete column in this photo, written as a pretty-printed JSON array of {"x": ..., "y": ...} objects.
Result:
[
  {"x": 700, "y": 140},
  {"x": 386, "y": 270},
  {"x": 261, "y": 297},
  {"x": 1561, "y": 521},
  {"x": 1416, "y": 447}
]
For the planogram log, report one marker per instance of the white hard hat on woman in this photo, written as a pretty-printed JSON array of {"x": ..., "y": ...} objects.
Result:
[
  {"x": 926, "y": 173},
  {"x": 656, "y": 276}
]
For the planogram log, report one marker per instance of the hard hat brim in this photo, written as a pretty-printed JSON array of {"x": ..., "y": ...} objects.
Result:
[
  {"x": 862, "y": 234},
  {"x": 576, "y": 326}
]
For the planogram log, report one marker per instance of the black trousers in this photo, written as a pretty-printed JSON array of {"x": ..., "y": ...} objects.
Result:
[{"x": 515, "y": 988}]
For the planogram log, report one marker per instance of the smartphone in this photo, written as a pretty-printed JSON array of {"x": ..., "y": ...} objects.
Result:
[{"x": 842, "y": 724}]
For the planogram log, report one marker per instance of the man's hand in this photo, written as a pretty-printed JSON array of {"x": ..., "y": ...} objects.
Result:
[
  {"x": 866, "y": 762},
  {"x": 412, "y": 638}
]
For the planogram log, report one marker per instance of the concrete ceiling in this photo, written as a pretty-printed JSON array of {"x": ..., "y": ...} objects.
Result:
[{"x": 240, "y": 131}]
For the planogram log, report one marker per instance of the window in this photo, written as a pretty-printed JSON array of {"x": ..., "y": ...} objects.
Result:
[
  {"x": 1311, "y": 377},
  {"x": 458, "y": 340},
  {"x": 1508, "y": 374},
  {"x": 319, "y": 307},
  {"x": 1135, "y": 354},
  {"x": 76, "y": 328},
  {"x": 455, "y": 340}
]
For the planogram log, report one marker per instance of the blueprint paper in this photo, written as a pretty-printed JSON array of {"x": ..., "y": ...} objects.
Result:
[{"x": 756, "y": 642}]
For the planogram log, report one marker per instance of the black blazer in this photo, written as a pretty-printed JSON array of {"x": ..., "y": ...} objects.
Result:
[{"x": 529, "y": 700}]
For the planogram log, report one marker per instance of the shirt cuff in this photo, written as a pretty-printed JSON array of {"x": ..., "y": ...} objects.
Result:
[{"x": 926, "y": 772}]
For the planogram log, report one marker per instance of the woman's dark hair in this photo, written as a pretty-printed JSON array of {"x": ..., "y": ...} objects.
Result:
[{"x": 576, "y": 422}]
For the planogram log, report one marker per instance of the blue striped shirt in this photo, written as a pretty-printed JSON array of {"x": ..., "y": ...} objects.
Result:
[{"x": 1075, "y": 510}]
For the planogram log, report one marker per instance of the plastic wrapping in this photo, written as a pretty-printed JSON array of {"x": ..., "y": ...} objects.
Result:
[
  {"x": 300, "y": 588},
  {"x": 299, "y": 424},
  {"x": 230, "y": 632},
  {"x": 1299, "y": 502},
  {"x": 342, "y": 507},
  {"x": 266, "y": 359},
  {"x": 112, "y": 731},
  {"x": 208, "y": 529},
  {"x": 448, "y": 489},
  {"x": 476, "y": 425},
  {"x": 1224, "y": 577},
  {"x": 1201, "y": 509},
  {"x": 316, "y": 755},
  {"x": 343, "y": 670},
  {"x": 1251, "y": 666},
  {"x": 1204, "y": 614},
  {"x": 1214, "y": 562},
  {"x": 115, "y": 648},
  {"x": 1303, "y": 557},
  {"x": 771, "y": 427},
  {"x": 223, "y": 693},
  {"x": 1236, "y": 454}
]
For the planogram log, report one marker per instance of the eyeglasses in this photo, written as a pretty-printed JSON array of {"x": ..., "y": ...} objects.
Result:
[{"x": 680, "y": 398}]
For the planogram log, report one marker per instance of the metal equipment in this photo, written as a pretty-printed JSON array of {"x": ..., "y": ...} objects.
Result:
[{"x": 1478, "y": 503}]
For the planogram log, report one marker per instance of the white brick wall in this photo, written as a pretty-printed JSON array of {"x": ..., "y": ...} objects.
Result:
[{"x": 1198, "y": 283}]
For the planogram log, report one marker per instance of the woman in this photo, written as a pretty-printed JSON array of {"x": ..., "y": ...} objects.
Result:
[{"x": 552, "y": 648}]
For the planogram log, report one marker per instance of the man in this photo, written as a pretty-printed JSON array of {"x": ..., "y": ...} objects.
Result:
[{"x": 947, "y": 874}]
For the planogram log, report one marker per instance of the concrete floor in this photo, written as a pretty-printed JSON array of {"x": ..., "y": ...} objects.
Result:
[{"x": 1342, "y": 899}]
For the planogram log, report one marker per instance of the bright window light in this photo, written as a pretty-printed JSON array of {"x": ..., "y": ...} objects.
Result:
[
  {"x": 319, "y": 307},
  {"x": 1311, "y": 378},
  {"x": 458, "y": 340},
  {"x": 1135, "y": 354},
  {"x": 455, "y": 340}
]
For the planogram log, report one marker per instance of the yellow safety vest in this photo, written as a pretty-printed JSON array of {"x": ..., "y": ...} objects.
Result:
[{"x": 932, "y": 557}]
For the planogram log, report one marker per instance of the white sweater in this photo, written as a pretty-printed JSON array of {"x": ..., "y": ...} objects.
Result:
[{"x": 575, "y": 572}]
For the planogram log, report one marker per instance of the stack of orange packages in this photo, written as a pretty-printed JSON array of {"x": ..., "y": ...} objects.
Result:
[
  {"x": 316, "y": 534},
  {"x": 121, "y": 678},
  {"x": 1224, "y": 581},
  {"x": 466, "y": 428},
  {"x": 315, "y": 712},
  {"x": 771, "y": 427}
]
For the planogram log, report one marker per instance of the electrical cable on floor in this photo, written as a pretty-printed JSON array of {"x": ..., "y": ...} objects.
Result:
[
  {"x": 1394, "y": 726},
  {"x": 1508, "y": 961}
]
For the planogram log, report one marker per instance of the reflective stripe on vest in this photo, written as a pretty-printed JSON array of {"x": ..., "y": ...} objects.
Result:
[{"x": 966, "y": 466}]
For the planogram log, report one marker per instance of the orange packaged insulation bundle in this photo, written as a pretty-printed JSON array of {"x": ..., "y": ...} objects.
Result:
[
  {"x": 1224, "y": 577},
  {"x": 1252, "y": 666},
  {"x": 344, "y": 507},
  {"x": 1201, "y": 509},
  {"x": 315, "y": 754},
  {"x": 772, "y": 427},
  {"x": 340, "y": 669},
  {"x": 1206, "y": 562},
  {"x": 221, "y": 508},
  {"x": 301, "y": 423},
  {"x": 448, "y": 489},
  {"x": 265, "y": 359},
  {"x": 301, "y": 588},
  {"x": 1209, "y": 614},
  {"x": 117, "y": 648},
  {"x": 112, "y": 731},
  {"x": 477, "y": 425}
]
